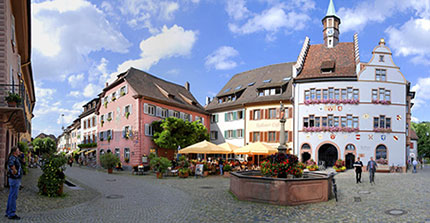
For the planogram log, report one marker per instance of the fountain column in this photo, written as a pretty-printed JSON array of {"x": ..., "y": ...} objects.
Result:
[{"x": 282, "y": 148}]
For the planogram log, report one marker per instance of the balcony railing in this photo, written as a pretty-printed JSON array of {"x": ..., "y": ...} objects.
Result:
[{"x": 18, "y": 118}]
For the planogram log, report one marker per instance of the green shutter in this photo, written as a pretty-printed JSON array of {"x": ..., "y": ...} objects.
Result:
[
  {"x": 225, "y": 116},
  {"x": 216, "y": 118},
  {"x": 234, "y": 134},
  {"x": 234, "y": 115},
  {"x": 225, "y": 134}
]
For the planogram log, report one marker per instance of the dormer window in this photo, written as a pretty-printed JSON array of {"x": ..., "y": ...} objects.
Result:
[
  {"x": 381, "y": 58},
  {"x": 267, "y": 81},
  {"x": 269, "y": 91},
  {"x": 327, "y": 67},
  {"x": 251, "y": 84},
  {"x": 238, "y": 87},
  {"x": 227, "y": 90}
]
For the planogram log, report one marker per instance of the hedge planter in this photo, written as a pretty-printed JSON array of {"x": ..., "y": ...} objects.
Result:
[
  {"x": 159, "y": 175},
  {"x": 183, "y": 175}
]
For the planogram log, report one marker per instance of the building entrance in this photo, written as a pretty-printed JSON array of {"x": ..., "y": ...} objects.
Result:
[
  {"x": 349, "y": 160},
  {"x": 305, "y": 157},
  {"x": 328, "y": 154}
]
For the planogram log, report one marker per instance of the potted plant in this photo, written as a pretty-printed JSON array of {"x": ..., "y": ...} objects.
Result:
[
  {"x": 109, "y": 138},
  {"x": 13, "y": 99},
  {"x": 339, "y": 166},
  {"x": 103, "y": 122},
  {"x": 122, "y": 93},
  {"x": 109, "y": 119},
  {"x": 205, "y": 170},
  {"x": 184, "y": 172},
  {"x": 113, "y": 98},
  {"x": 160, "y": 165},
  {"x": 127, "y": 114},
  {"x": 51, "y": 181},
  {"x": 105, "y": 104},
  {"x": 109, "y": 161},
  {"x": 127, "y": 159},
  {"x": 227, "y": 168}
]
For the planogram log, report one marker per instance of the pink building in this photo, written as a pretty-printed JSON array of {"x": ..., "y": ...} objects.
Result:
[{"x": 130, "y": 104}]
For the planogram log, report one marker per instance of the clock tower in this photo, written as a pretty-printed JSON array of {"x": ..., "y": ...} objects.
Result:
[{"x": 331, "y": 24}]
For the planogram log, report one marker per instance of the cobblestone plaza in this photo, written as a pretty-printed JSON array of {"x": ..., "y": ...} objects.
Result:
[{"x": 121, "y": 197}]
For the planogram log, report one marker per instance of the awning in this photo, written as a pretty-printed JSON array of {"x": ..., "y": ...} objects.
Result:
[
  {"x": 205, "y": 147},
  {"x": 257, "y": 148}
]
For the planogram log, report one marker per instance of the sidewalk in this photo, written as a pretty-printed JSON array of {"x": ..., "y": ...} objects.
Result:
[{"x": 29, "y": 201}]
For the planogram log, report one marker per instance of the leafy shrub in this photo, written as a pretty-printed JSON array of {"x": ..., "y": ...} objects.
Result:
[
  {"x": 227, "y": 168},
  {"x": 13, "y": 97},
  {"x": 160, "y": 164},
  {"x": 282, "y": 165},
  {"x": 109, "y": 160},
  {"x": 53, "y": 177}
]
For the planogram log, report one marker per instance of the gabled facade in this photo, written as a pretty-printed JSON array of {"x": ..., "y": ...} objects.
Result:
[
  {"x": 345, "y": 108},
  {"x": 88, "y": 122},
  {"x": 130, "y": 104},
  {"x": 15, "y": 77},
  {"x": 247, "y": 109}
]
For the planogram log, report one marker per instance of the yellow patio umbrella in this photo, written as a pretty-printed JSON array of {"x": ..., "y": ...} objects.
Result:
[
  {"x": 205, "y": 147},
  {"x": 230, "y": 146},
  {"x": 257, "y": 148}
]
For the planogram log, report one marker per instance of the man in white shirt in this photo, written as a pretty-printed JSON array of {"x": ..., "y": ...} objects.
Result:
[{"x": 414, "y": 163}]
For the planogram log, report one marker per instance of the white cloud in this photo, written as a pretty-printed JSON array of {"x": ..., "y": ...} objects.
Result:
[
  {"x": 221, "y": 59},
  {"x": 171, "y": 42},
  {"x": 167, "y": 10},
  {"x": 75, "y": 80},
  {"x": 91, "y": 90},
  {"x": 78, "y": 105},
  {"x": 422, "y": 93},
  {"x": 415, "y": 119},
  {"x": 411, "y": 39},
  {"x": 291, "y": 16},
  {"x": 74, "y": 94},
  {"x": 64, "y": 34}
]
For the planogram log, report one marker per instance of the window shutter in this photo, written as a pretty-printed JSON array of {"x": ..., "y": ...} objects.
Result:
[
  {"x": 225, "y": 116},
  {"x": 158, "y": 111},
  {"x": 123, "y": 132},
  {"x": 290, "y": 112},
  {"x": 145, "y": 108},
  {"x": 181, "y": 115},
  {"x": 216, "y": 118},
  {"x": 203, "y": 121},
  {"x": 234, "y": 134},
  {"x": 290, "y": 136},
  {"x": 170, "y": 113},
  {"x": 266, "y": 136},
  {"x": 277, "y": 136},
  {"x": 112, "y": 133},
  {"x": 131, "y": 109},
  {"x": 278, "y": 113},
  {"x": 234, "y": 115},
  {"x": 261, "y": 113},
  {"x": 250, "y": 137},
  {"x": 126, "y": 89},
  {"x": 225, "y": 134},
  {"x": 130, "y": 131},
  {"x": 146, "y": 129},
  {"x": 251, "y": 115}
]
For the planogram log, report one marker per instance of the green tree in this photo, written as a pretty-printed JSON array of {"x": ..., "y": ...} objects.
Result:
[
  {"x": 173, "y": 132},
  {"x": 44, "y": 146},
  {"x": 423, "y": 132}
]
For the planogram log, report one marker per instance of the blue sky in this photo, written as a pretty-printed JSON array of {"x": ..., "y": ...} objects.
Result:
[{"x": 78, "y": 45}]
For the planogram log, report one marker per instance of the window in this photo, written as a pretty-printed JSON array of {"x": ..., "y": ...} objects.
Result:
[
  {"x": 331, "y": 93},
  {"x": 151, "y": 110},
  {"x": 305, "y": 122},
  {"x": 349, "y": 121},
  {"x": 106, "y": 100},
  {"x": 214, "y": 118},
  {"x": 387, "y": 95},
  {"x": 349, "y": 90},
  {"x": 343, "y": 121},
  {"x": 227, "y": 90},
  {"x": 164, "y": 113},
  {"x": 382, "y": 121},
  {"x": 381, "y": 75},
  {"x": 149, "y": 131},
  {"x": 176, "y": 114},
  {"x": 330, "y": 121},
  {"x": 343, "y": 94},
  {"x": 126, "y": 132},
  {"x": 381, "y": 152},
  {"x": 187, "y": 117},
  {"x": 239, "y": 133},
  {"x": 214, "y": 135},
  {"x": 325, "y": 94},
  {"x": 374, "y": 94},
  {"x": 375, "y": 123},
  {"x": 267, "y": 81},
  {"x": 257, "y": 114},
  {"x": 102, "y": 151},
  {"x": 350, "y": 147},
  {"x": 113, "y": 95},
  {"x": 109, "y": 116},
  {"x": 117, "y": 152},
  {"x": 381, "y": 94},
  {"x": 251, "y": 84},
  {"x": 102, "y": 136},
  {"x": 381, "y": 58},
  {"x": 94, "y": 121},
  {"x": 318, "y": 94},
  {"x": 388, "y": 123},
  {"x": 355, "y": 122},
  {"x": 337, "y": 94},
  {"x": 272, "y": 113},
  {"x": 306, "y": 146},
  {"x": 256, "y": 137},
  {"x": 307, "y": 95},
  {"x": 311, "y": 121},
  {"x": 317, "y": 121},
  {"x": 240, "y": 114},
  {"x": 336, "y": 121},
  {"x": 127, "y": 153},
  {"x": 313, "y": 94},
  {"x": 127, "y": 109},
  {"x": 324, "y": 121},
  {"x": 122, "y": 91},
  {"x": 355, "y": 94},
  {"x": 269, "y": 91},
  {"x": 272, "y": 137}
]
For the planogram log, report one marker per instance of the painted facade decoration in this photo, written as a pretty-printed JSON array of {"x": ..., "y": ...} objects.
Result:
[{"x": 346, "y": 109}]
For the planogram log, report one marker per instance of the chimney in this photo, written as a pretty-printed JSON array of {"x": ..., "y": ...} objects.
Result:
[
  {"x": 208, "y": 100},
  {"x": 107, "y": 84},
  {"x": 187, "y": 86}
]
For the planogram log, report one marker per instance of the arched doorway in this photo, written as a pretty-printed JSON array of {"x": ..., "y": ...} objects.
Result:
[
  {"x": 305, "y": 157},
  {"x": 328, "y": 153},
  {"x": 381, "y": 154},
  {"x": 349, "y": 160}
]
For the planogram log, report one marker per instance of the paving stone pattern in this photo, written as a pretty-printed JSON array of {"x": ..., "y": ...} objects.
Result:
[{"x": 146, "y": 199}]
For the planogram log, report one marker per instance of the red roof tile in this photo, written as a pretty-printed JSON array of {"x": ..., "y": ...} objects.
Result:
[{"x": 342, "y": 56}]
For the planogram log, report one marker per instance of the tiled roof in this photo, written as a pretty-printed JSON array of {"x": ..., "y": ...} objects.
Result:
[
  {"x": 341, "y": 56},
  {"x": 276, "y": 73},
  {"x": 413, "y": 135},
  {"x": 146, "y": 85}
]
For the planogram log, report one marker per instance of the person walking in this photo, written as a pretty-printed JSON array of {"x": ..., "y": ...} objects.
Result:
[
  {"x": 414, "y": 163},
  {"x": 371, "y": 167},
  {"x": 221, "y": 166},
  {"x": 14, "y": 177},
  {"x": 358, "y": 169}
]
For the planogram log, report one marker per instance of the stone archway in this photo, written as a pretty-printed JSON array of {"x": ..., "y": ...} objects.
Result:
[{"x": 328, "y": 153}]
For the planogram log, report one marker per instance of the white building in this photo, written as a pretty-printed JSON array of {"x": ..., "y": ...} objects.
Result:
[
  {"x": 88, "y": 130},
  {"x": 345, "y": 108}
]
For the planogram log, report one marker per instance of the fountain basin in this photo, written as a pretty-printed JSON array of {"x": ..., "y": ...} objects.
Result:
[{"x": 252, "y": 186}]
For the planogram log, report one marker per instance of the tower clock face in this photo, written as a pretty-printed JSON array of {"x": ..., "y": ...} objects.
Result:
[{"x": 330, "y": 31}]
